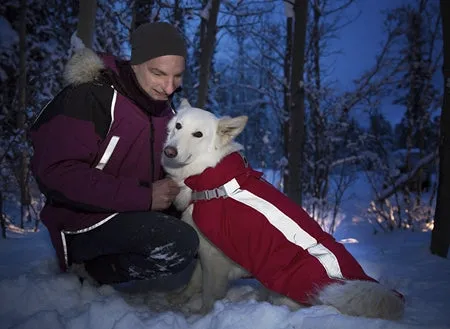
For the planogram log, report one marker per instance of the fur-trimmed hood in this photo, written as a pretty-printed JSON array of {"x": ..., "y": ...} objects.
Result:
[{"x": 84, "y": 66}]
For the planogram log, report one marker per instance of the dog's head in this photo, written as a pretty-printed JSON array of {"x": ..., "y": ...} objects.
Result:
[{"x": 197, "y": 139}]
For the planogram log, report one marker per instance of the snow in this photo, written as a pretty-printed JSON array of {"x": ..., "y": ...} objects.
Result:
[
  {"x": 205, "y": 11},
  {"x": 289, "y": 8},
  {"x": 8, "y": 36},
  {"x": 76, "y": 43},
  {"x": 33, "y": 294}
]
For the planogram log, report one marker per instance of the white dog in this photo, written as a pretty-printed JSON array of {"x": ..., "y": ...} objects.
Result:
[{"x": 257, "y": 226}]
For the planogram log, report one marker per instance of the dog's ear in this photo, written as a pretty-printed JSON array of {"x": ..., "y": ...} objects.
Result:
[
  {"x": 184, "y": 103},
  {"x": 229, "y": 128}
]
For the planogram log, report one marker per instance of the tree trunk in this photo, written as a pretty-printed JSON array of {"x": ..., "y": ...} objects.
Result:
[
  {"x": 440, "y": 238},
  {"x": 297, "y": 110},
  {"x": 287, "y": 100},
  {"x": 142, "y": 13},
  {"x": 86, "y": 22},
  {"x": 2, "y": 217},
  {"x": 178, "y": 15},
  {"x": 23, "y": 171},
  {"x": 320, "y": 164},
  {"x": 207, "y": 49}
]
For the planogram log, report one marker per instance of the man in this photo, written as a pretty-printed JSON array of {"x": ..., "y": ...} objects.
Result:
[{"x": 97, "y": 148}]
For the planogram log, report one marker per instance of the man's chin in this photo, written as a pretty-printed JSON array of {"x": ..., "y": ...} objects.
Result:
[{"x": 158, "y": 97}]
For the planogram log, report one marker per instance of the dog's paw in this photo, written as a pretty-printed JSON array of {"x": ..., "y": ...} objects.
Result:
[
  {"x": 194, "y": 305},
  {"x": 280, "y": 300},
  {"x": 178, "y": 298},
  {"x": 205, "y": 310},
  {"x": 80, "y": 271}
]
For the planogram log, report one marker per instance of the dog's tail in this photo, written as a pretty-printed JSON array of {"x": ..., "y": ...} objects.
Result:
[{"x": 363, "y": 298}]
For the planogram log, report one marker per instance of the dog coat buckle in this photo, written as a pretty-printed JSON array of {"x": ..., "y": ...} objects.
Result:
[{"x": 216, "y": 193}]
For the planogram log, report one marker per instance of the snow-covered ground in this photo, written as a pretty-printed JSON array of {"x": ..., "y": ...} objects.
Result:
[{"x": 34, "y": 295}]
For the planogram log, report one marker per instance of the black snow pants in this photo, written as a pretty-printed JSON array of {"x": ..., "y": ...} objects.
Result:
[{"x": 138, "y": 246}]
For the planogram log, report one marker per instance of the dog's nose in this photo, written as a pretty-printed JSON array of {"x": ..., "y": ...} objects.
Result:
[{"x": 170, "y": 151}]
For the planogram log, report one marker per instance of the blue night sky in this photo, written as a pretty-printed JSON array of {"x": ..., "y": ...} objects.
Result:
[{"x": 359, "y": 42}]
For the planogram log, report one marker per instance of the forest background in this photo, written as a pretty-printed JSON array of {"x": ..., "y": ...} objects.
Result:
[{"x": 279, "y": 62}]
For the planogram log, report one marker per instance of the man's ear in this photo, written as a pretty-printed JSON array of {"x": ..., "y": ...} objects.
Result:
[
  {"x": 184, "y": 103},
  {"x": 229, "y": 128}
]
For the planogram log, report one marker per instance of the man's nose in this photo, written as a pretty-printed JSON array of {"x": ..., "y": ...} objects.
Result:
[{"x": 169, "y": 86}]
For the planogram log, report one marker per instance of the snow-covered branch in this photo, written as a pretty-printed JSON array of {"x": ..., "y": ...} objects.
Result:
[{"x": 403, "y": 179}]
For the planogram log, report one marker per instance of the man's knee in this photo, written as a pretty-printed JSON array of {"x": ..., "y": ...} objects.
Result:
[
  {"x": 176, "y": 254},
  {"x": 190, "y": 238},
  {"x": 182, "y": 234}
]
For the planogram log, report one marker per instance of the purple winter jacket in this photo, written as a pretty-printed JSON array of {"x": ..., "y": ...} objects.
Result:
[{"x": 96, "y": 151}]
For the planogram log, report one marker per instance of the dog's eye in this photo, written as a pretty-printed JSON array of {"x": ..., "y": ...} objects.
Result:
[
  {"x": 197, "y": 134},
  {"x": 178, "y": 125}
]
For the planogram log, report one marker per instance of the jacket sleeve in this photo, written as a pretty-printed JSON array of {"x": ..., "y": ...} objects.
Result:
[{"x": 66, "y": 147}]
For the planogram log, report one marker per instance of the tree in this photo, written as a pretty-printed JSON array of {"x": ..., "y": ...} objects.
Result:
[
  {"x": 142, "y": 13},
  {"x": 287, "y": 97},
  {"x": 2, "y": 217},
  {"x": 86, "y": 21},
  {"x": 409, "y": 60},
  {"x": 416, "y": 90},
  {"x": 440, "y": 238},
  {"x": 113, "y": 26},
  {"x": 326, "y": 115},
  {"x": 381, "y": 130},
  {"x": 29, "y": 78},
  {"x": 297, "y": 104},
  {"x": 22, "y": 172},
  {"x": 207, "y": 45}
]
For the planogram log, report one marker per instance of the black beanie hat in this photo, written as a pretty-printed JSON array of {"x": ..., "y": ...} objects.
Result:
[{"x": 153, "y": 40}]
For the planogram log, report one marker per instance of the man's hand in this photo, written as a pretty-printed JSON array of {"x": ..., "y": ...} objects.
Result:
[{"x": 163, "y": 194}]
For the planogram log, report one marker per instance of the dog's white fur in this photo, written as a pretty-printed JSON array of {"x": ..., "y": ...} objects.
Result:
[
  {"x": 215, "y": 270},
  {"x": 201, "y": 140}
]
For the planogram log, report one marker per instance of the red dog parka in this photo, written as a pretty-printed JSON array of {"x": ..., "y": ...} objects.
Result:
[{"x": 265, "y": 232}]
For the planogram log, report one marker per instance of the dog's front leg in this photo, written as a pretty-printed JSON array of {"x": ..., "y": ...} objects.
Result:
[
  {"x": 183, "y": 199},
  {"x": 195, "y": 283},
  {"x": 193, "y": 287},
  {"x": 215, "y": 272}
]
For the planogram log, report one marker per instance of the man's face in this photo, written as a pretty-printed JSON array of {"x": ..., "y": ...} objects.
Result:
[{"x": 160, "y": 76}]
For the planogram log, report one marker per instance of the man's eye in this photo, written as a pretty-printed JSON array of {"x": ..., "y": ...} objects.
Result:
[
  {"x": 197, "y": 134},
  {"x": 178, "y": 125}
]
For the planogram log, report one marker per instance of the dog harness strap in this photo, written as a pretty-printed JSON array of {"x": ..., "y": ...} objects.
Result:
[{"x": 216, "y": 193}]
